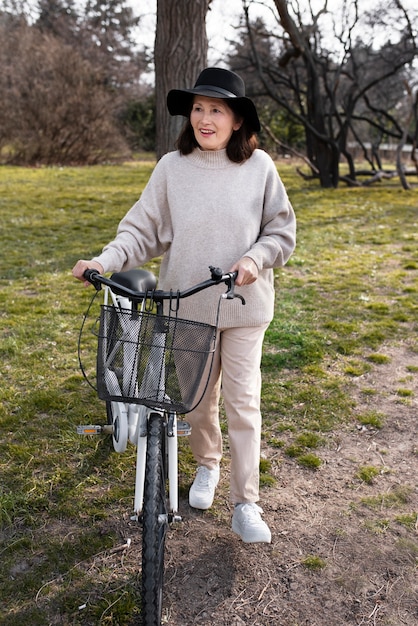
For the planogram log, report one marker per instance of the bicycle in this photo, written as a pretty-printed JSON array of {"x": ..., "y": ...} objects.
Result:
[{"x": 152, "y": 367}]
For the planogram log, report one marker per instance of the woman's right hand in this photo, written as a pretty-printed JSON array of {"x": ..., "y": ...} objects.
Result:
[{"x": 81, "y": 266}]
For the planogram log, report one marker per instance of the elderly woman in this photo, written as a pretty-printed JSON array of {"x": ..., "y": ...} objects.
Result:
[{"x": 216, "y": 200}]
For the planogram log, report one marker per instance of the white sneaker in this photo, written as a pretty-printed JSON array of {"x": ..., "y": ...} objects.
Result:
[
  {"x": 202, "y": 492},
  {"x": 247, "y": 523}
]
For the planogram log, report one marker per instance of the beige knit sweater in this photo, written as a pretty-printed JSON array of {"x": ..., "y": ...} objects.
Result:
[{"x": 200, "y": 210}]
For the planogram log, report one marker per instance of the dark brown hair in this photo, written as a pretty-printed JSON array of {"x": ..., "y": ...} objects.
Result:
[{"x": 240, "y": 147}]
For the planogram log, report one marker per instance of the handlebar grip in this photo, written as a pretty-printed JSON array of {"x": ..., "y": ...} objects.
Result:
[
  {"x": 90, "y": 275},
  {"x": 93, "y": 277}
]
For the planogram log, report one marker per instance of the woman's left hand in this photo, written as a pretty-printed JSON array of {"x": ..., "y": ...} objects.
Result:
[{"x": 247, "y": 271}]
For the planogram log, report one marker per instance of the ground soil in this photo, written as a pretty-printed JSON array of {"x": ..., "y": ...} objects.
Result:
[
  {"x": 369, "y": 574},
  {"x": 369, "y": 553}
]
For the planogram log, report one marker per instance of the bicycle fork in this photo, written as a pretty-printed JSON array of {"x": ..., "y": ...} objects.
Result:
[
  {"x": 138, "y": 435},
  {"x": 174, "y": 428}
]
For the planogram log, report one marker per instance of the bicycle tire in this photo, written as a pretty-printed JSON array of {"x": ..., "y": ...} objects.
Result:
[{"x": 154, "y": 523}]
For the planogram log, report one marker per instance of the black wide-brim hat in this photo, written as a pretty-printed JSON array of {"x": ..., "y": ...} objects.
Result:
[{"x": 215, "y": 82}]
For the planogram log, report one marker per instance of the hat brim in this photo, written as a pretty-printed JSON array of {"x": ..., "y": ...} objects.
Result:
[{"x": 179, "y": 102}]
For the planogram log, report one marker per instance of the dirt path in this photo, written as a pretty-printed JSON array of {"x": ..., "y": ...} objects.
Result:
[{"x": 366, "y": 551}]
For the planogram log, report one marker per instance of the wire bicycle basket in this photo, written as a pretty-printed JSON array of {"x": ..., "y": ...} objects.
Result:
[{"x": 155, "y": 360}]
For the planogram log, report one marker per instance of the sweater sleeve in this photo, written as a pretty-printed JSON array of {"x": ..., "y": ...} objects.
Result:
[
  {"x": 145, "y": 232},
  {"x": 277, "y": 238}
]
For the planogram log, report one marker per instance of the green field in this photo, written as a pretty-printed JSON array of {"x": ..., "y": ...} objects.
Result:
[{"x": 349, "y": 290}]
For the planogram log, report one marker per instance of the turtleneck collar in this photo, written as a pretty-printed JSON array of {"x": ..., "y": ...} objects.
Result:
[{"x": 210, "y": 159}]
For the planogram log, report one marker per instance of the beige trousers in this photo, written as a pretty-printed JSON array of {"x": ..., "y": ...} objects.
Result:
[{"x": 235, "y": 370}]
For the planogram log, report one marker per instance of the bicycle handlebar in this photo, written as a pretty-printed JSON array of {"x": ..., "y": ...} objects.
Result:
[{"x": 217, "y": 277}]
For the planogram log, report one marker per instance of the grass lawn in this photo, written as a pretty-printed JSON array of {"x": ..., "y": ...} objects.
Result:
[{"x": 349, "y": 290}]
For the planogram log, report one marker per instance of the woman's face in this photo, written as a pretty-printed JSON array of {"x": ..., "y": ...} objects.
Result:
[{"x": 213, "y": 122}]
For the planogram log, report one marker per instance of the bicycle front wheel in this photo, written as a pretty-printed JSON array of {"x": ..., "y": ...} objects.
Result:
[{"x": 155, "y": 523}]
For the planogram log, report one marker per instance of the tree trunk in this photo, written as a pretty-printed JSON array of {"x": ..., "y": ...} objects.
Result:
[
  {"x": 180, "y": 53},
  {"x": 399, "y": 165},
  {"x": 322, "y": 149},
  {"x": 326, "y": 156}
]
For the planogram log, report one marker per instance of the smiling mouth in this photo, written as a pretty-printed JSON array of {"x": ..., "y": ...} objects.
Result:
[{"x": 206, "y": 132}]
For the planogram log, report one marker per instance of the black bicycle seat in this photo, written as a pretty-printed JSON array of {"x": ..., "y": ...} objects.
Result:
[{"x": 136, "y": 280}]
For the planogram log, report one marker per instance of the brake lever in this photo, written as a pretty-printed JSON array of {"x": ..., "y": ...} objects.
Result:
[
  {"x": 230, "y": 293},
  {"x": 217, "y": 273}
]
